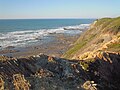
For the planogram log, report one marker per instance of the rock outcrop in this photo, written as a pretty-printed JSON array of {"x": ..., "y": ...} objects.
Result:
[
  {"x": 51, "y": 73},
  {"x": 41, "y": 72}
]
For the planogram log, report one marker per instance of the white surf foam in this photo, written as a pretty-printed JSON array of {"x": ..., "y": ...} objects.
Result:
[
  {"x": 77, "y": 27},
  {"x": 21, "y": 38}
]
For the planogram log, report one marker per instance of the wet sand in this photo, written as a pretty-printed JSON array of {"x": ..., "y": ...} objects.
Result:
[{"x": 56, "y": 48}]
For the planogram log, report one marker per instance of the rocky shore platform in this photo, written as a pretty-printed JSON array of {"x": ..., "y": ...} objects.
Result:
[{"x": 56, "y": 48}]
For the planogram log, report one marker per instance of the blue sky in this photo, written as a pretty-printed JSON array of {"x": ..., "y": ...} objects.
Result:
[{"x": 10, "y": 9}]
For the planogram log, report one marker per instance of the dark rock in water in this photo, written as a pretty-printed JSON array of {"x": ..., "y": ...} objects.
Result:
[
  {"x": 73, "y": 29},
  {"x": 38, "y": 39},
  {"x": 10, "y": 47},
  {"x": 53, "y": 33}
]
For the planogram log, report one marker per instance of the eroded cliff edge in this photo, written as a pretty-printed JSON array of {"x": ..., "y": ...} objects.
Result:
[
  {"x": 92, "y": 63},
  {"x": 102, "y": 36}
]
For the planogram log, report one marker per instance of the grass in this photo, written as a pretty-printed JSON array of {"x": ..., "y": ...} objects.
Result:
[
  {"x": 114, "y": 47},
  {"x": 103, "y": 20},
  {"x": 85, "y": 64},
  {"x": 113, "y": 26},
  {"x": 78, "y": 45},
  {"x": 73, "y": 50}
]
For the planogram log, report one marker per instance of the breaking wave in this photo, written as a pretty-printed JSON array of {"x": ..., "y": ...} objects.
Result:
[{"x": 21, "y": 38}]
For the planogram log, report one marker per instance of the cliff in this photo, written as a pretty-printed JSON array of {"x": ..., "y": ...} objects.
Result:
[
  {"x": 93, "y": 63},
  {"x": 102, "y": 36},
  {"x": 99, "y": 48}
]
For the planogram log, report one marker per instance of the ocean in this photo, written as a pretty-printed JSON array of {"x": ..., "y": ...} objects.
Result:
[{"x": 26, "y": 32}]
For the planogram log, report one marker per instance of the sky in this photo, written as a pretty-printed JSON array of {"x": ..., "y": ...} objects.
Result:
[{"x": 25, "y": 9}]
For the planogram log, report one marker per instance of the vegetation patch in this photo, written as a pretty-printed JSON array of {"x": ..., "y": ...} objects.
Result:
[
  {"x": 114, "y": 47},
  {"x": 73, "y": 50},
  {"x": 79, "y": 44},
  {"x": 85, "y": 64}
]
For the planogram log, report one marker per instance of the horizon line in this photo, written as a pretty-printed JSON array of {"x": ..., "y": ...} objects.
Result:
[
  {"x": 59, "y": 18},
  {"x": 43, "y": 18},
  {"x": 50, "y": 18}
]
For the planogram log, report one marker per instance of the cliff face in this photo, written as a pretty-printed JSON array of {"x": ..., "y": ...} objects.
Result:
[{"x": 103, "y": 35}]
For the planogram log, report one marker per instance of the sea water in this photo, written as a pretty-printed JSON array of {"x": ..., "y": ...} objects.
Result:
[{"x": 26, "y": 32}]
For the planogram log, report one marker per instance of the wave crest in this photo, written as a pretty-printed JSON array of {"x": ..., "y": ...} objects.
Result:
[{"x": 21, "y": 38}]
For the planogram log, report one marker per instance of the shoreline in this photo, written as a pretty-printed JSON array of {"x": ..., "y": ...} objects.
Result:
[{"x": 56, "y": 48}]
